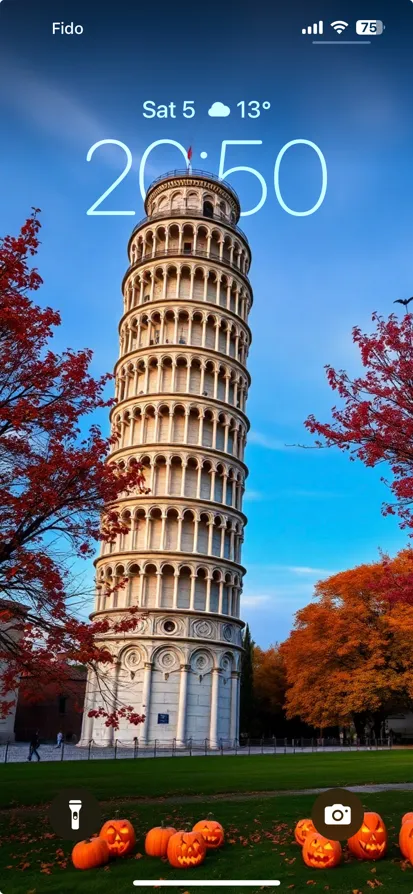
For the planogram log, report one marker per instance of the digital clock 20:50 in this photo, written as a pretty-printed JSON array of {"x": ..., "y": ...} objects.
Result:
[{"x": 222, "y": 173}]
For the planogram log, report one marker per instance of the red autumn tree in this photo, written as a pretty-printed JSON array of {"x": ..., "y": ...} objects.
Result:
[
  {"x": 374, "y": 422},
  {"x": 58, "y": 491}
]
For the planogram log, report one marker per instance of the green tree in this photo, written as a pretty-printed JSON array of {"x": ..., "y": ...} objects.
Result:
[{"x": 247, "y": 684}]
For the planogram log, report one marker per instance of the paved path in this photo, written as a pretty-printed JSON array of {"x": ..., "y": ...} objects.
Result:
[
  {"x": 17, "y": 753},
  {"x": 236, "y": 796},
  {"x": 245, "y": 796}
]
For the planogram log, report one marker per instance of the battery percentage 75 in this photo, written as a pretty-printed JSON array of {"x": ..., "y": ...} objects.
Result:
[{"x": 369, "y": 26}]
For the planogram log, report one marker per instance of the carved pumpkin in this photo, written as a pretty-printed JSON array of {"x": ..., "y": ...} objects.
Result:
[
  {"x": 370, "y": 842},
  {"x": 406, "y": 838},
  {"x": 119, "y": 835},
  {"x": 212, "y": 833},
  {"x": 320, "y": 852},
  {"x": 156, "y": 841},
  {"x": 90, "y": 853},
  {"x": 186, "y": 850},
  {"x": 406, "y": 817},
  {"x": 303, "y": 827}
]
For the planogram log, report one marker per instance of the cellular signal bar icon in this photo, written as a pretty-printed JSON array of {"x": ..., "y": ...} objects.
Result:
[{"x": 314, "y": 29}]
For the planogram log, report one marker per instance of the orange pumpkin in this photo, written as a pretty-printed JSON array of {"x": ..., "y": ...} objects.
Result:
[
  {"x": 90, "y": 853},
  {"x": 370, "y": 842},
  {"x": 186, "y": 850},
  {"x": 303, "y": 827},
  {"x": 212, "y": 833},
  {"x": 407, "y": 816},
  {"x": 320, "y": 852},
  {"x": 119, "y": 835},
  {"x": 406, "y": 838},
  {"x": 156, "y": 841}
]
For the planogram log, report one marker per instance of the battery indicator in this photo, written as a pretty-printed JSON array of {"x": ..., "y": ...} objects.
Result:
[{"x": 369, "y": 26}]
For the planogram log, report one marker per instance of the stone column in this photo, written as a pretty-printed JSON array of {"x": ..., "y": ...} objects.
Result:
[
  {"x": 183, "y": 691},
  {"x": 109, "y": 732},
  {"x": 234, "y": 706},
  {"x": 146, "y": 701},
  {"x": 87, "y": 728},
  {"x": 213, "y": 726}
]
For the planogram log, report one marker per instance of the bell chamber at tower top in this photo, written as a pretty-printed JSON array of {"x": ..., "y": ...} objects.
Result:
[{"x": 189, "y": 246}]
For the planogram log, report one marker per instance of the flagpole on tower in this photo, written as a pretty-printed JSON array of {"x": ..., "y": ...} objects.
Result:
[{"x": 188, "y": 164}]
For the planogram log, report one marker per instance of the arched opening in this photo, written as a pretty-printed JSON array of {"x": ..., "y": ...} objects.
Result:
[
  {"x": 215, "y": 585},
  {"x": 208, "y": 209},
  {"x": 187, "y": 537},
  {"x": 167, "y": 590},
  {"x": 139, "y": 530},
  {"x": 155, "y": 522},
  {"x": 184, "y": 587},
  {"x": 203, "y": 534},
  {"x": 150, "y": 581},
  {"x": 160, "y": 476},
  {"x": 191, "y": 478},
  {"x": 200, "y": 590},
  {"x": 171, "y": 532}
]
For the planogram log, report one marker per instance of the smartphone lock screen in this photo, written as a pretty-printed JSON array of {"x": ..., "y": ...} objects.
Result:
[{"x": 206, "y": 461}]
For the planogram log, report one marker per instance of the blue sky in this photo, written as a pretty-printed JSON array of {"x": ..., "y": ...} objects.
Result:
[{"x": 310, "y": 513}]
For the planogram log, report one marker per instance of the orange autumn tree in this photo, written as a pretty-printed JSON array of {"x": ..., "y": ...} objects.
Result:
[{"x": 348, "y": 657}]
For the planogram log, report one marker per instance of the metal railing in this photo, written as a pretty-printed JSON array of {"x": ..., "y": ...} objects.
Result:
[
  {"x": 194, "y": 253},
  {"x": 134, "y": 749},
  {"x": 167, "y": 214},
  {"x": 193, "y": 172}
]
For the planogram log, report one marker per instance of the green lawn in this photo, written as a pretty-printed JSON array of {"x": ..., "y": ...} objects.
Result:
[
  {"x": 38, "y": 783},
  {"x": 259, "y": 845},
  {"x": 260, "y": 842}
]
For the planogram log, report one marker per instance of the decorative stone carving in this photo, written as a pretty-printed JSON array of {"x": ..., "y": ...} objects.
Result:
[
  {"x": 167, "y": 661},
  {"x": 203, "y": 629},
  {"x": 132, "y": 659},
  {"x": 201, "y": 662},
  {"x": 228, "y": 633}
]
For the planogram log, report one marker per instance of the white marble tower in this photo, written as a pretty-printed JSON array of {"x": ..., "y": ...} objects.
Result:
[{"x": 181, "y": 388}]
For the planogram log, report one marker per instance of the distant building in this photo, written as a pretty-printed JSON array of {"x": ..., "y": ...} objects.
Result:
[
  {"x": 55, "y": 712},
  {"x": 400, "y": 726},
  {"x": 10, "y": 631}
]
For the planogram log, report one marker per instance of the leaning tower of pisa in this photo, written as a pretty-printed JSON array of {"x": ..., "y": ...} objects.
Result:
[{"x": 181, "y": 388}]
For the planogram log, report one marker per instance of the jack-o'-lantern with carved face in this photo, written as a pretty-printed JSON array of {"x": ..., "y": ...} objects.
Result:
[
  {"x": 320, "y": 852},
  {"x": 303, "y": 827},
  {"x": 406, "y": 838},
  {"x": 120, "y": 837},
  {"x": 212, "y": 833},
  {"x": 370, "y": 842},
  {"x": 186, "y": 850}
]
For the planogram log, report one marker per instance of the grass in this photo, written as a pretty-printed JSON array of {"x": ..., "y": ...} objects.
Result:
[
  {"x": 29, "y": 784},
  {"x": 259, "y": 845}
]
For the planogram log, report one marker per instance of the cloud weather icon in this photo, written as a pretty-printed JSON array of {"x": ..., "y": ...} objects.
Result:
[{"x": 219, "y": 110}]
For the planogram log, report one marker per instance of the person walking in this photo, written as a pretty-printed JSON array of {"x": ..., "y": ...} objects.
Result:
[
  {"x": 59, "y": 740},
  {"x": 34, "y": 744}
]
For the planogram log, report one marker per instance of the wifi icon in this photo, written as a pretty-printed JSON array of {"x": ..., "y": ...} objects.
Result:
[{"x": 339, "y": 27}]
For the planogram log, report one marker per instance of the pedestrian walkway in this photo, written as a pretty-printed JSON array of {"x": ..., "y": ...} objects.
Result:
[{"x": 17, "y": 752}]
